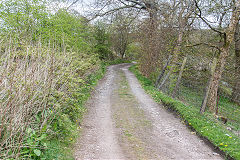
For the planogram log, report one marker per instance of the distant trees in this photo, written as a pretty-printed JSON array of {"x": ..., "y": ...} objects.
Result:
[
  {"x": 103, "y": 44},
  {"x": 120, "y": 32},
  {"x": 165, "y": 28}
]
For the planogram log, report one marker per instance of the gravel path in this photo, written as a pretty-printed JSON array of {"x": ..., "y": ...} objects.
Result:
[{"x": 123, "y": 122}]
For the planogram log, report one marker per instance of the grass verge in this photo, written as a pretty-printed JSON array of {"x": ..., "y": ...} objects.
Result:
[
  {"x": 62, "y": 149},
  {"x": 59, "y": 147},
  {"x": 226, "y": 108},
  {"x": 205, "y": 127}
]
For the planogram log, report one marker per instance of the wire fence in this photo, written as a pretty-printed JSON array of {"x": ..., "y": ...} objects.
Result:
[{"x": 193, "y": 85}]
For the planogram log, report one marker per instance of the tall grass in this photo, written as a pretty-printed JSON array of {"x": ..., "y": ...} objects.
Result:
[{"x": 40, "y": 91}]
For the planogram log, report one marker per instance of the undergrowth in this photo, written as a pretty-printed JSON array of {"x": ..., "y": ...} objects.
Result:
[
  {"x": 205, "y": 126},
  {"x": 49, "y": 63},
  {"x": 63, "y": 149},
  {"x": 226, "y": 107}
]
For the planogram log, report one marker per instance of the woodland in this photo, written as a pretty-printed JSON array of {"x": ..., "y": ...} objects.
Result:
[{"x": 52, "y": 55}]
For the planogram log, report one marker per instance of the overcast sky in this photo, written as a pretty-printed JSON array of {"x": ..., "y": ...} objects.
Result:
[{"x": 83, "y": 6}]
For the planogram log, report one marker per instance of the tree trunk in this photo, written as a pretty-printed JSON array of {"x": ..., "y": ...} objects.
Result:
[
  {"x": 212, "y": 102},
  {"x": 164, "y": 80},
  {"x": 177, "y": 49},
  {"x": 176, "y": 52},
  {"x": 150, "y": 46},
  {"x": 229, "y": 37},
  {"x": 236, "y": 87},
  {"x": 205, "y": 100}
]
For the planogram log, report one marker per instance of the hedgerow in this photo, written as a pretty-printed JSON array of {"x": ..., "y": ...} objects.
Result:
[{"x": 48, "y": 67}]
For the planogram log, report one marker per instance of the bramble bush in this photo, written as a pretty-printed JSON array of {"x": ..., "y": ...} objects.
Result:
[{"x": 48, "y": 66}]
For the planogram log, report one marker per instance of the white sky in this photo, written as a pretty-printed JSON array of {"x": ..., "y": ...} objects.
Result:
[{"x": 83, "y": 6}]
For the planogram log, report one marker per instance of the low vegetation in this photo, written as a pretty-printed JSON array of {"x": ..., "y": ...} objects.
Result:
[
  {"x": 52, "y": 56},
  {"x": 205, "y": 125},
  {"x": 49, "y": 64}
]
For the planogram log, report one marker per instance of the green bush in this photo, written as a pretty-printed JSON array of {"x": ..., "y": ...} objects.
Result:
[
  {"x": 102, "y": 46},
  {"x": 52, "y": 68}
]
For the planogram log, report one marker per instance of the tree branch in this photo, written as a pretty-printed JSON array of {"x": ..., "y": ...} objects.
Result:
[
  {"x": 206, "y": 44},
  {"x": 204, "y": 20},
  {"x": 113, "y": 10},
  {"x": 72, "y": 4},
  {"x": 136, "y": 2}
]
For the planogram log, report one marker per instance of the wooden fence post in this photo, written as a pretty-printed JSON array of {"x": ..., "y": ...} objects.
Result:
[
  {"x": 179, "y": 78},
  {"x": 163, "y": 71},
  {"x": 164, "y": 80}
]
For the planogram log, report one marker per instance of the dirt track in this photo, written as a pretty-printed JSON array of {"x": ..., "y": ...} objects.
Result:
[{"x": 123, "y": 122}]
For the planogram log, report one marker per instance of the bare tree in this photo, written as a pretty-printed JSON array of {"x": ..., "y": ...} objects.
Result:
[
  {"x": 236, "y": 87},
  {"x": 228, "y": 36},
  {"x": 121, "y": 29},
  {"x": 183, "y": 13}
]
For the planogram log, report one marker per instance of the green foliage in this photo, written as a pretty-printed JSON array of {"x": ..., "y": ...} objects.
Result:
[
  {"x": 62, "y": 52},
  {"x": 117, "y": 61},
  {"x": 133, "y": 50},
  {"x": 35, "y": 141},
  {"x": 22, "y": 16},
  {"x": 70, "y": 111},
  {"x": 205, "y": 126},
  {"x": 70, "y": 30},
  {"x": 103, "y": 44},
  {"x": 61, "y": 45}
]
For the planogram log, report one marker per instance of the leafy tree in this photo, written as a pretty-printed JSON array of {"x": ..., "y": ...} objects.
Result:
[
  {"x": 103, "y": 44},
  {"x": 73, "y": 29},
  {"x": 23, "y": 16}
]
